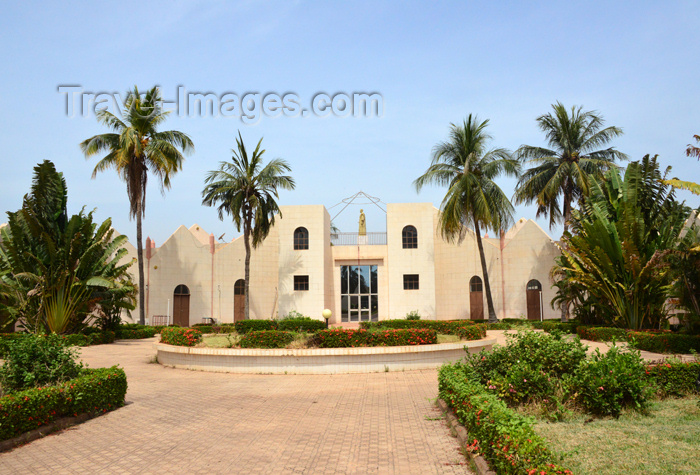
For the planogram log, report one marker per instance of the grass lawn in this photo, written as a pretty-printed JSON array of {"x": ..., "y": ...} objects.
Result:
[{"x": 667, "y": 441}]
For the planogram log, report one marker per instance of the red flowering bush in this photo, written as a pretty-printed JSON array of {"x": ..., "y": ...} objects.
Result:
[
  {"x": 93, "y": 391},
  {"x": 601, "y": 333},
  {"x": 664, "y": 342},
  {"x": 505, "y": 438},
  {"x": 443, "y": 327},
  {"x": 673, "y": 377},
  {"x": 472, "y": 332},
  {"x": 180, "y": 336},
  {"x": 340, "y": 338}
]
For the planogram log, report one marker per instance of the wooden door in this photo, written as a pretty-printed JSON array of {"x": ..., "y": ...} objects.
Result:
[
  {"x": 239, "y": 300},
  {"x": 534, "y": 291},
  {"x": 181, "y": 310},
  {"x": 476, "y": 298}
]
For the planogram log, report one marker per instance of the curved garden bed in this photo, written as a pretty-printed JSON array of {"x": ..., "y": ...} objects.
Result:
[{"x": 317, "y": 360}]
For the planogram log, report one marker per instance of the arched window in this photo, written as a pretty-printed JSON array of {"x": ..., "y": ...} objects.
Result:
[
  {"x": 409, "y": 237},
  {"x": 475, "y": 284},
  {"x": 239, "y": 287},
  {"x": 182, "y": 290},
  {"x": 534, "y": 285},
  {"x": 301, "y": 239}
]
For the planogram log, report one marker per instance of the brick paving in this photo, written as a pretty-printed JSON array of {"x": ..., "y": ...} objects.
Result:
[{"x": 179, "y": 421}]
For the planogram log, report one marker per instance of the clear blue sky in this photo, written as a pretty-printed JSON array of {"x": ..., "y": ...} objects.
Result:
[{"x": 433, "y": 63}]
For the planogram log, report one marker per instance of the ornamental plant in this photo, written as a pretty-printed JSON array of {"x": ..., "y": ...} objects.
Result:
[
  {"x": 37, "y": 360},
  {"x": 266, "y": 339},
  {"x": 341, "y": 338},
  {"x": 180, "y": 336},
  {"x": 673, "y": 377}
]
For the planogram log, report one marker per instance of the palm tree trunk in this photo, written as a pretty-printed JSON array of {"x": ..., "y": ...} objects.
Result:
[
  {"x": 567, "y": 217},
  {"x": 485, "y": 272},
  {"x": 139, "y": 254},
  {"x": 246, "y": 241}
]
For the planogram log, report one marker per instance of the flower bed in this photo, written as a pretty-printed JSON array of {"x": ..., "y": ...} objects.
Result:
[
  {"x": 245, "y": 326},
  {"x": 506, "y": 439},
  {"x": 674, "y": 378},
  {"x": 664, "y": 342},
  {"x": 443, "y": 327},
  {"x": 472, "y": 332},
  {"x": 94, "y": 391},
  {"x": 266, "y": 339},
  {"x": 601, "y": 333},
  {"x": 214, "y": 328},
  {"x": 340, "y": 338},
  {"x": 180, "y": 336}
]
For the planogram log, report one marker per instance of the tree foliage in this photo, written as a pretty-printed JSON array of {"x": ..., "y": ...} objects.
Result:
[
  {"x": 615, "y": 258},
  {"x": 247, "y": 190},
  {"x": 55, "y": 270},
  {"x": 468, "y": 168}
]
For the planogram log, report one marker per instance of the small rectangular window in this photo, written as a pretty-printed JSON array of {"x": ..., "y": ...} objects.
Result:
[
  {"x": 410, "y": 282},
  {"x": 301, "y": 282}
]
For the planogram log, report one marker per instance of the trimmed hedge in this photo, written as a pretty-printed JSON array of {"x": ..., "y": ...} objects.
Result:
[
  {"x": 443, "y": 327},
  {"x": 135, "y": 334},
  {"x": 266, "y": 339},
  {"x": 601, "y": 333},
  {"x": 664, "y": 342},
  {"x": 214, "y": 328},
  {"x": 245, "y": 326},
  {"x": 302, "y": 324},
  {"x": 674, "y": 378},
  {"x": 180, "y": 336},
  {"x": 94, "y": 391},
  {"x": 340, "y": 338},
  {"x": 568, "y": 327},
  {"x": 506, "y": 439},
  {"x": 472, "y": 332}
]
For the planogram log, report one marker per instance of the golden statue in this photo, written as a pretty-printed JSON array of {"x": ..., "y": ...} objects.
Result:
[{"x": 363, "y": 225}]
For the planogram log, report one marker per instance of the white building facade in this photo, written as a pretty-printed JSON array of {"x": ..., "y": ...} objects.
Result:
[{"x": 303, "y": 267}]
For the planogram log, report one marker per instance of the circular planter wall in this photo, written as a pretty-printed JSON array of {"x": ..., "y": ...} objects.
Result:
[{"x": 317, "y": 360}]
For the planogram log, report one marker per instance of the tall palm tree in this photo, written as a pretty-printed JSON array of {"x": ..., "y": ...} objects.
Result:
[
  {"x": 246, "y": 190},
  {"x": 134, "y": 148},
  {"x": 473, "y": 199},
  {"x": 693, "y": 187},
  {"x": 563, "y": 172}
]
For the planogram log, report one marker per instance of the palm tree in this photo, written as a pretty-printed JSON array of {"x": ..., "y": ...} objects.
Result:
[
  {"x": 563, "y": 172},
  {"x": 473, "y": 199},
  {"x": 693, "y": 187},
  {"x": 246, "y": 190},
  {"x": 135, "y": 147}
]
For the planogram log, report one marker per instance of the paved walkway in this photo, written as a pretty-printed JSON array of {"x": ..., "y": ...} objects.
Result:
[{"x": 180, "y": 421}]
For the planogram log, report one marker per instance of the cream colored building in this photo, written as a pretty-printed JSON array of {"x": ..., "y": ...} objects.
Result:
[{"x": 301, "y": 266}]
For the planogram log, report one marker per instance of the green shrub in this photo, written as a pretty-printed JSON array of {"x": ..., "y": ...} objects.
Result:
[
  {"x": 203, "y": 327},
  {"x": 223, "y": 329},
  {"x": 664, "y": 342},
  {"x": 609, "y": 382},
  {"x": 674, "y": 378},
  {"x": 413, "y": 315},
  {"x": 443, "y": 327},
  {"x": 537, "y": 325},
  {"x": 499, "y": 326},
  {"x": 92, "y": 391},
  {"x": 180, "y": 336},
  {"x": 102, "y": 337},
  {"x": 266, "y": 339},
  {"x": 303, "y": 324},
  {"x": 601, "y": 333},
  {"x": 506, "y": 439},
  {"x": 76, "y": 339},
  {"x": 136, "y": 334},
  {"x": 245, "y": 326},
  {"x": 568, "y": 327},
  {"x": 37, "y": 360},
  {"x": 472, "y": 332},
  {"x": 340, "y": 338},
  {"x": 7, "y": 338}
]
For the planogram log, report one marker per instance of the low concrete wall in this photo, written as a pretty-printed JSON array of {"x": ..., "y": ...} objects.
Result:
[{"x": 317, "y": 361}]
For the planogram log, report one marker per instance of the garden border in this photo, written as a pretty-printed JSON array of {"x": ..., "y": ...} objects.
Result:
[
  {"x": 317, "y": 360},
  {"x": 479, "y": 462}
]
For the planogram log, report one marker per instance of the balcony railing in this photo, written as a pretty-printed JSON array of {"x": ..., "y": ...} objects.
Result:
[{"x": 354, "y": 239}]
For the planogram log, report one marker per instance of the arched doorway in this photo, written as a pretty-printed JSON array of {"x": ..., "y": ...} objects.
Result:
[
  {"x": 181, "y": 306},
  {"x": 534, "y": 298},
  {"x": 476, "y": 298},
  {"x": 239, "y": 300}
]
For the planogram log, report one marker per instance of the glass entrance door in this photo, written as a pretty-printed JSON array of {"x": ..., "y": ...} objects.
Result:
[{"x": 359, "y": 301}]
